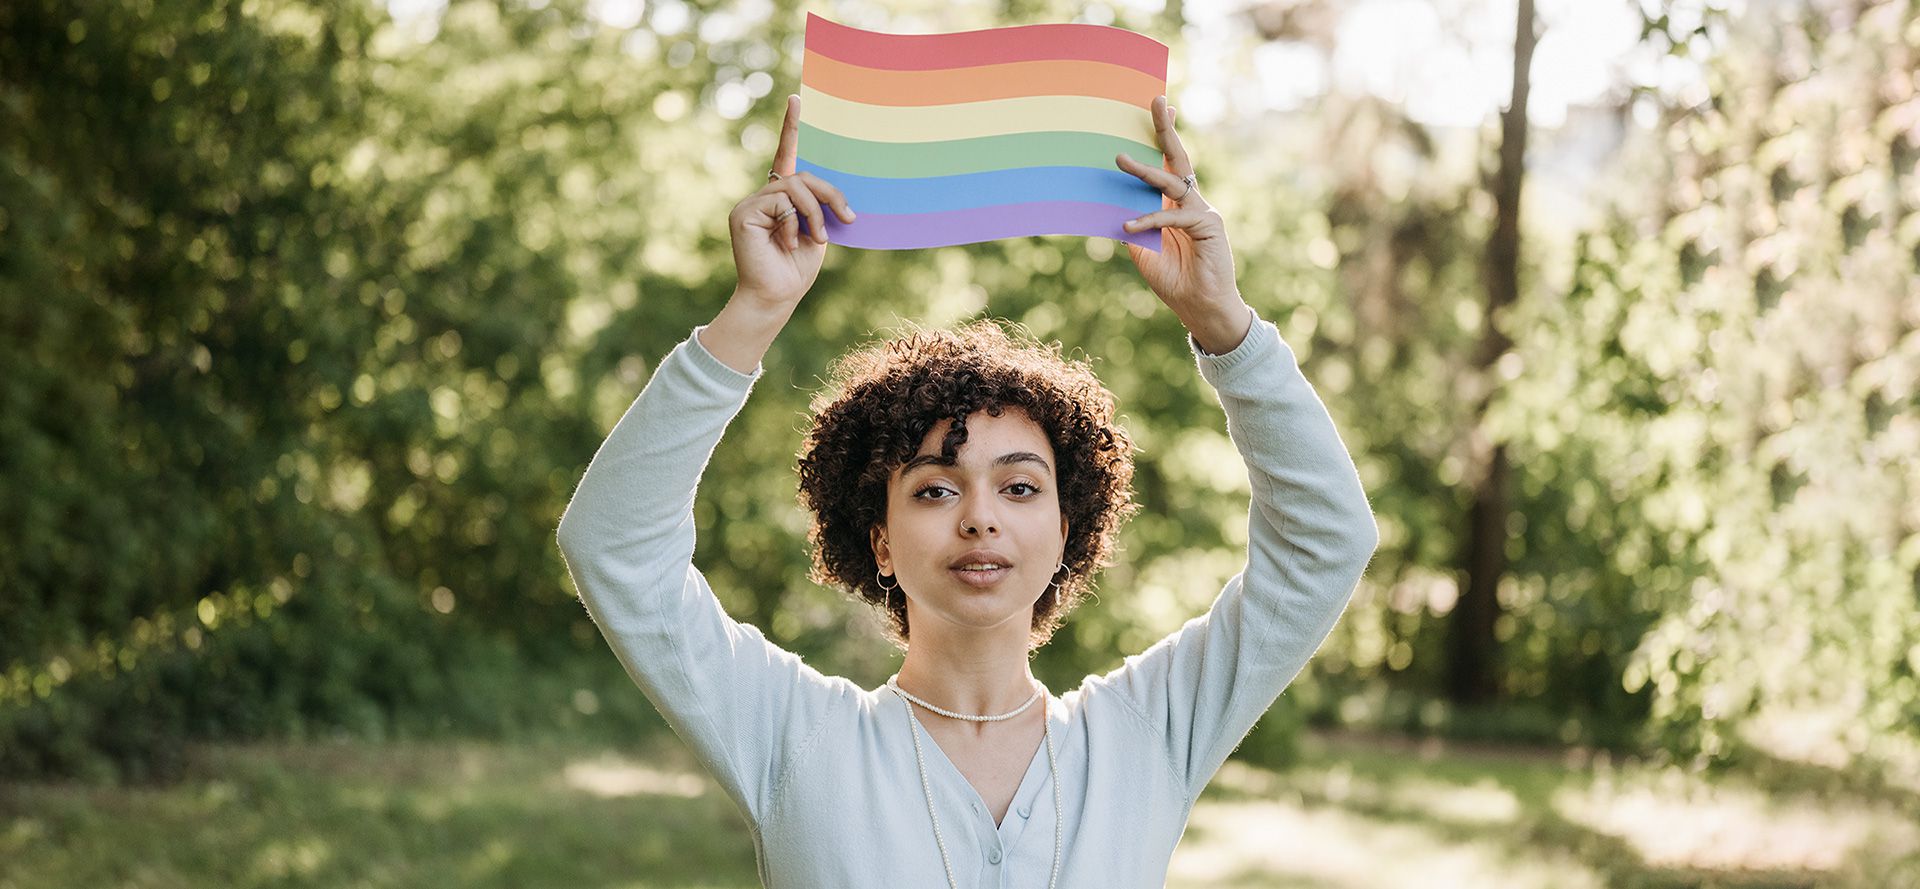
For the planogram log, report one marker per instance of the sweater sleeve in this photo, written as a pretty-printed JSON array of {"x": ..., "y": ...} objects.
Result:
[
  {"x": 743, "y": 704},
  {"x": 1310, "y": 535}
]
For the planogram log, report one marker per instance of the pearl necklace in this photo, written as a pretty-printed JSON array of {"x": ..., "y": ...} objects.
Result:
[
  {"x": 893, "y": 682},
  {"x": 926, "y": 787}
]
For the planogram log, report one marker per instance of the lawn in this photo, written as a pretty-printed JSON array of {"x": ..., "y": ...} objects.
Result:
[{"x": 1357, "y": 811}]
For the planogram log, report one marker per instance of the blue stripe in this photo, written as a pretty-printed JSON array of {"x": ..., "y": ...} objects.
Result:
[{"x": 866, "y": 194}]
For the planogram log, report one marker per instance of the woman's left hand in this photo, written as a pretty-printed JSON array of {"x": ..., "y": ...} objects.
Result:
[{"x": 1193, "y": 271}]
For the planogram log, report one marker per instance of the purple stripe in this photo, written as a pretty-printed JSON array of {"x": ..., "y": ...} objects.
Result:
[{"x": 906, "y": 231}]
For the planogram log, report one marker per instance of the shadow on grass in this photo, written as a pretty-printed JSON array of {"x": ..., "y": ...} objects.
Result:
[
  {"x": 1359, "y": 811},
  {"x": 1865, "y": 781},
  {"x": 1518, "y": 812},
  {"x": 439, "y": 815}
]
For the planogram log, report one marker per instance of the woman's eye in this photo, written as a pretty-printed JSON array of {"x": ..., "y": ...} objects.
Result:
[{"x": 929, "y": 492}]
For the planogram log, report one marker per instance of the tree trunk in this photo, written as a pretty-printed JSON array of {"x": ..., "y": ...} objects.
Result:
[{"x": 1473, "y": 677}]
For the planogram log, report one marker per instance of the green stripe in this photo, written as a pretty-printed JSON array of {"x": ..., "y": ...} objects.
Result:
[{"x": 916, "y": 160}]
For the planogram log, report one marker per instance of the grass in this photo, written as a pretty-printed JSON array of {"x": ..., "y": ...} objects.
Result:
[
  {"x": 1368, "y": 811},
  {"x": 1357, "y": 811}
]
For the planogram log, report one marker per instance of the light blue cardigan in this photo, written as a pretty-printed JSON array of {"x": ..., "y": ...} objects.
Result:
[{"x": 824, "y": 770}]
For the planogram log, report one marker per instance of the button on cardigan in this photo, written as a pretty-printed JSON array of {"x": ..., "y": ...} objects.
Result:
[{"x": 823, "y": 770}]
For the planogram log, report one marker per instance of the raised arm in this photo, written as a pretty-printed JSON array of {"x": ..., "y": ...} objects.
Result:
[
  {"x": 628, "y": 534},
  {"x": 1310, "y": 532}
]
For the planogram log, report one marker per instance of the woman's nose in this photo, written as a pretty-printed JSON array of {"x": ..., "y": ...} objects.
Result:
[
  {"x": 971, "y": 526},
  {"x": 978, "y": 519}
]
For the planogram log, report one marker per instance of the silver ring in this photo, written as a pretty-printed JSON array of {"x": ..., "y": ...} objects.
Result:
[
  {"x": 1183, "y": 195},
  {"x": 784, "y": 214},
  {"x": 772, "y": 176}
]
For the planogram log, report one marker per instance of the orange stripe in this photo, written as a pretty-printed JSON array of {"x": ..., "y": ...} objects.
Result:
[{"x": 983, "y": 83}]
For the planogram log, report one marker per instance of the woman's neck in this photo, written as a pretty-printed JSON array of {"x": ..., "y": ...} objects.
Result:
[{"x": 979, "y": 678}]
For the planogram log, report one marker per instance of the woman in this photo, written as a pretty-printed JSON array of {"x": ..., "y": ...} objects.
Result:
[{"x": 952, "y": 467}]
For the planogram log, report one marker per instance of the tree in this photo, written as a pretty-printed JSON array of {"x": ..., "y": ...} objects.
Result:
[
  {"x": 1737, "y": 349},
  {"x": 1473, "y": 676}
]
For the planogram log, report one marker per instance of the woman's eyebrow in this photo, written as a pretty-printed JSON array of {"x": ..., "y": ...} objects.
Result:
[
  {"x": 1022, "y": 457},
  {"x": 1006, "y": 459}
]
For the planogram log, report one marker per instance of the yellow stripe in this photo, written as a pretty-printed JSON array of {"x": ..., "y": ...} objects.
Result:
[{"x": 971, "y": 120}]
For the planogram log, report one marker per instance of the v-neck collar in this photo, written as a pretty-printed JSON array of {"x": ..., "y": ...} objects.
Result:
[{"x": 1031, "y": 783}]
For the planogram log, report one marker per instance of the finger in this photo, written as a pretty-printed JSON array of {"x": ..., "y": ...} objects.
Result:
[
  {"x": 788, "y": 154},
  {"x": 789, "y": 228},
  {"x": 1176, "y": 153},
  {"x": 1172, "y": 114},
  {"x": 809, "y": 206},
  {"x": 828, "y": 195},
  {"x": 1178, "y": 217},
  {"x": 1168, "y": 184},
  {"x": 772, "y": 213}
]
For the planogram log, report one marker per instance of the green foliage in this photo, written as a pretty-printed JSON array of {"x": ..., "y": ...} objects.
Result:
[
  {"x": 1710, "y": 420},
  {"x": 280, "y": 450},
  {"x": 311, "y": 320},
  {"x": 173, "y": 274},
  {"x": 1734, "y": 369},
  {"x": 313, "y": 324}
]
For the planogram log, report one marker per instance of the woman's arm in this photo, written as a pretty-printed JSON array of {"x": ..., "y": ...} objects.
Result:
[
  {"x": 1310, "y": 535},
  {"x": 628, "y": 540},
  {"x": 743, "y": 331},
  {"x": 1310, "y": 532},
  {"x": 743, "y": 704}
]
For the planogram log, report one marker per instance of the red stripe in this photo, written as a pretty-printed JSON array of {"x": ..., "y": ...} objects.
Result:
[{"x": 966, "y": 49}]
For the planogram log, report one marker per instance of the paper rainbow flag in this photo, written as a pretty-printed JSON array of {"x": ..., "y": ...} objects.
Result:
[{"x": 941, "y": 139}]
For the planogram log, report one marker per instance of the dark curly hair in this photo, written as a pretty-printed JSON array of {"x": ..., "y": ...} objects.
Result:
[{"x": 880, "y": 402}]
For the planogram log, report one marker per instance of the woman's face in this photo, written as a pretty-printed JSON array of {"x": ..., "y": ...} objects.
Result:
[{"x": 996, "y": 503}]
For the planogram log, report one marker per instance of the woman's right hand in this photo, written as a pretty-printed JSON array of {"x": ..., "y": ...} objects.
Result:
[{"x": 776, "y": 261}]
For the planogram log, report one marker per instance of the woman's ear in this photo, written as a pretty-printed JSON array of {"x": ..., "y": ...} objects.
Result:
[{"x": 882, "y": 553}]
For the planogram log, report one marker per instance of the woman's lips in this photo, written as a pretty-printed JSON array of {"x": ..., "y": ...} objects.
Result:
[{"x": 980, "y": 578}]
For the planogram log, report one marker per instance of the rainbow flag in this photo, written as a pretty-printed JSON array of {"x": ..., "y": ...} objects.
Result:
[{"x": 941, "y": 139}]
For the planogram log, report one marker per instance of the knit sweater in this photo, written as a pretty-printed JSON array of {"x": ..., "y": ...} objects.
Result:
[{"x": 824, "y": 771}]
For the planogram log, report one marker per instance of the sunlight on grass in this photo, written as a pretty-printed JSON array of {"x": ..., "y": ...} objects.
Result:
[
  {"x": 283, "y": 859},
  {"x": 487, "y": 862},
  {"x": 1334, "y": 827},
  {"x": 1355, "y": 811},
  {"x": 1281, "y": 844},
  {"x": 1832, "y": 738},
  {"x": 612, "y": 776},
  {"x": 1484, "y": 802},
  {"x": 1480, "y": 802},
  {"x": 1673, "y": 819}
]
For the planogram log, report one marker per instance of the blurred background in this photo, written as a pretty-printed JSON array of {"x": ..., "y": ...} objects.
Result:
[{"x": 313, "y": 314}]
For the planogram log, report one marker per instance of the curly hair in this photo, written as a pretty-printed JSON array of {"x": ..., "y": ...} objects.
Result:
[{"x": 881, "y": 401}]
